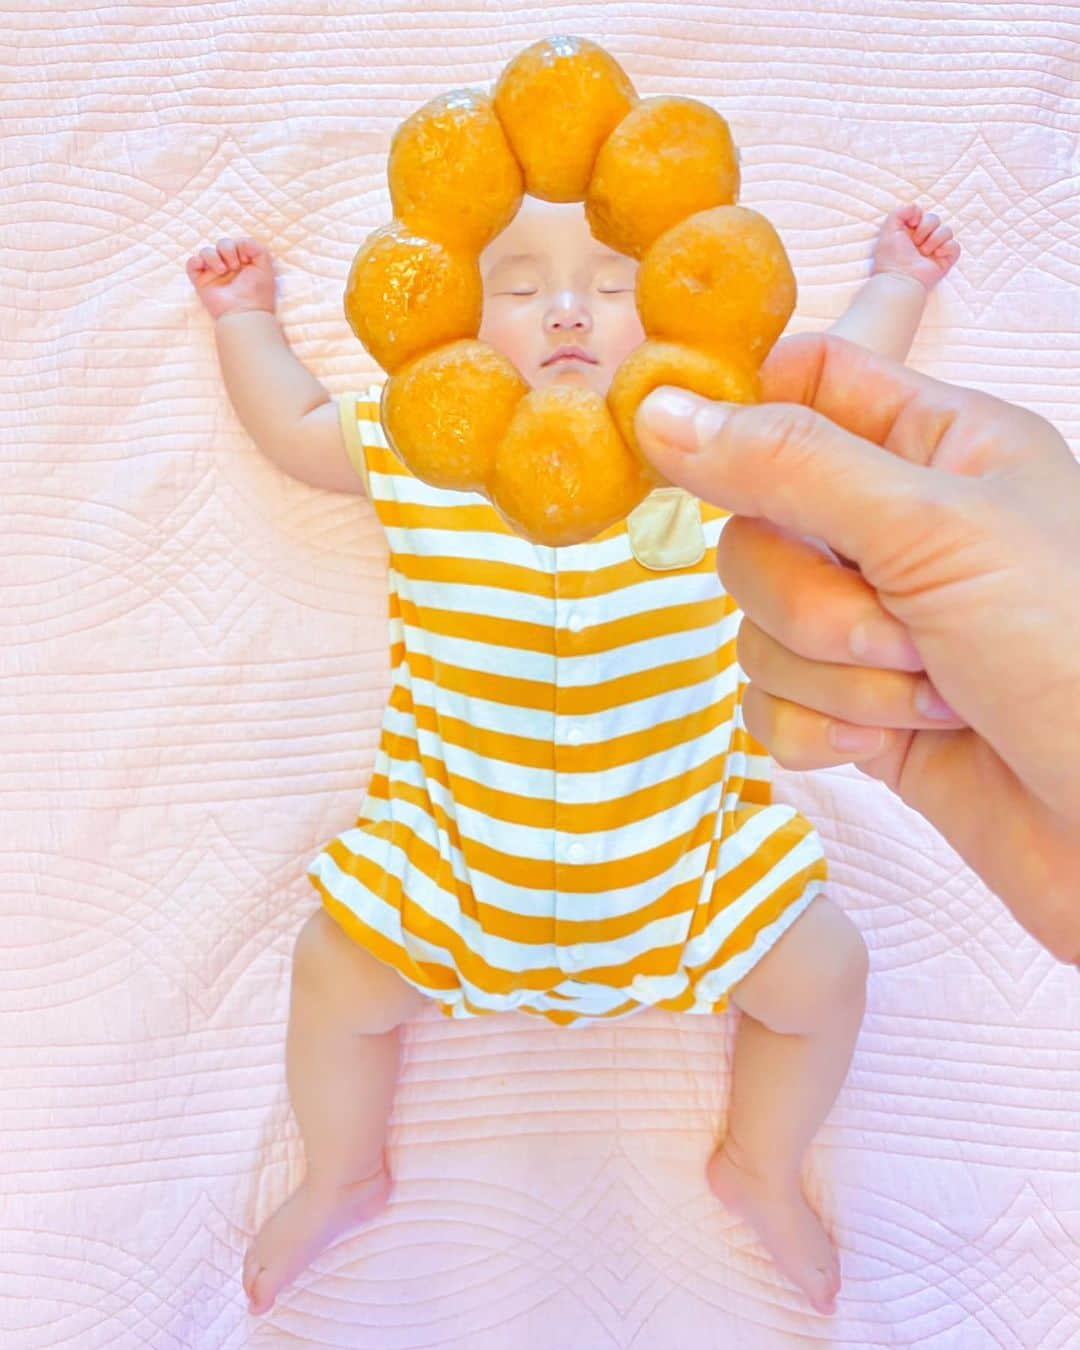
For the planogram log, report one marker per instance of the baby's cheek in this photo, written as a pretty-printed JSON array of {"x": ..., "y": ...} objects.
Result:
[
  {"x": 626, "y": 338},
  {"x": 489, "y": 329},
  {"x": 622, "y": 327},
  {"x": 631, "y": 343},
  {"x": 498, "y": 333}
]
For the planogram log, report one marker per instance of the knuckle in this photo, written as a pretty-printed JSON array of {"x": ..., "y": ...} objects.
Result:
[
  {"x": 767, "y": 719},
  {"x": 733, "y": 557},
  {"x": 873, "y": 697},
  {"x": 801, "y": 621},
  {"x": 785, "y": 430},
  {"x": 784, "y": 735},
  {"x": 753, "y": 715},
  {"x": 748, "y": 648}
]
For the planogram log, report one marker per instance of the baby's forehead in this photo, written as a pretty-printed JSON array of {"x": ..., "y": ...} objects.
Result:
[{"x": 545, "y": 232}]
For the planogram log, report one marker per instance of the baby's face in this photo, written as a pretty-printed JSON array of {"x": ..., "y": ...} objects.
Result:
[{"x": 549, "y": 284}]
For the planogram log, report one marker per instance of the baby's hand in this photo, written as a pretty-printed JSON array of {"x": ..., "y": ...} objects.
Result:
[
  {"x": 233, "y": 276},
  {"x": 913, "y": 245}
]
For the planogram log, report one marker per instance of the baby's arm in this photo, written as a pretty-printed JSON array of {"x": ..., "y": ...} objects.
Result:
[
  {"x": 912, "y": 254},
  {"x": 289, "y": 414}
]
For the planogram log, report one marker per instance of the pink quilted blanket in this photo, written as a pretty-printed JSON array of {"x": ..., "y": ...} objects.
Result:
[{"x": 194, "y": 669}]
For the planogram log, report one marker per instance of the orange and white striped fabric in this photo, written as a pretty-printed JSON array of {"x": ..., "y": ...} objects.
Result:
[{"x": 566, "y": 815}]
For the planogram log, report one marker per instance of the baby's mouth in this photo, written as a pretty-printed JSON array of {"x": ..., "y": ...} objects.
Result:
[{"x": 563, "y": 355}]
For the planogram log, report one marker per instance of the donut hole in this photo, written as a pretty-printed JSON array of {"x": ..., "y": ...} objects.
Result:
[{"x": 599, "y": 314}]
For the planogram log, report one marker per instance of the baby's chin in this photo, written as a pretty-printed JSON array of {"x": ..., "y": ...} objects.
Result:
[{"x": 574, "y": 374}]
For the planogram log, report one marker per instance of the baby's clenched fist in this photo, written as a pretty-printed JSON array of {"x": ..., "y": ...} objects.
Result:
[
  {"x": 915, "y": 244},
  {"x": 233, "y": 276}
]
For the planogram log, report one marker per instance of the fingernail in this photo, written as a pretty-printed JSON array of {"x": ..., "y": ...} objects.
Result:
[
  {"x": 848, "y": 737},
  {"x": 669, "y": 415},
  {"x": 710, "y": 417},
  {"x": 930, "y": 703},
  {"x": 880, "y": 642}
]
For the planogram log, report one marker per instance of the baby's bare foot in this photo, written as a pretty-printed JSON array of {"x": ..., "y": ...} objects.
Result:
[
  {"x": 915, "y": 245},
  {"x": 308, "y": 1221},
  {"x": 783, "y": 1220}
]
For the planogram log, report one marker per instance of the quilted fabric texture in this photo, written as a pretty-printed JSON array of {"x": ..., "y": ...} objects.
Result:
[{"x": 194, "y": 667}]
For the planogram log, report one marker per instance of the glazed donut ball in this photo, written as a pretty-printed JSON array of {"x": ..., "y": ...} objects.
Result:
[
  {"x": 406, "y": 294},
  {"x": 452, "y": 174},
  {"x": 445, "y": 413},
  {"x": 668, "y": 158},
  {"x": 719, "y": 280},
  {"x": 658, "y": 178},
  {"x": 562, "y": 466},
  {"x": 714, "y": 375},
  {"x": 558, "y": 100}
]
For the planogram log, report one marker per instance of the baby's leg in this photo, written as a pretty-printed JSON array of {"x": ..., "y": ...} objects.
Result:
[
  {"x": 342, "y": 1056},
  {"x": 801, "y": 1009}
]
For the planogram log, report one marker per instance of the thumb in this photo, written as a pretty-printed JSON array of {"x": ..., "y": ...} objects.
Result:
[{"x": 789, "y": 464}]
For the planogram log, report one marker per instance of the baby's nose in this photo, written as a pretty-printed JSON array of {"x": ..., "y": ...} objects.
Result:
[{"x": 569, "y": 313}]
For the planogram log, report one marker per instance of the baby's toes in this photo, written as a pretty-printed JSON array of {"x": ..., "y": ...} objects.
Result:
[
  {"x": 251, "y": 1265},
  {"x": 823, "y": 1288},
  {"x": 257, "y": 1283},
  {"x": 262, "y": 1293}
]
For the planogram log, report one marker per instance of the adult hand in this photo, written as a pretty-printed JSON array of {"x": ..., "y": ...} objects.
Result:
[{"x": 961, "y": 515}]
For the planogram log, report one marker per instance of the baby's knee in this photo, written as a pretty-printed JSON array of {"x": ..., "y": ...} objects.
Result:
[
  {"x": 820, "y": 963},
  {"x": 837, "y": 964},
  {"x": 847, "y": 964},
  {"x": 331, "y": 970}
]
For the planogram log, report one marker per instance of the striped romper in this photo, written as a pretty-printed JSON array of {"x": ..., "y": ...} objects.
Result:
[{"x": 566, "y": 815}]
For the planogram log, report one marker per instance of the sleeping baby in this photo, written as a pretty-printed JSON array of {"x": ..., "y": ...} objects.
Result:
[{"x": 566, "y": 816}]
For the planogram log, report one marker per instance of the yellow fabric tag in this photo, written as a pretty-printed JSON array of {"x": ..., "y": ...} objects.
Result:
[
  {"x": 665, "y": 530},
  {"x": 350, "y": 430}
]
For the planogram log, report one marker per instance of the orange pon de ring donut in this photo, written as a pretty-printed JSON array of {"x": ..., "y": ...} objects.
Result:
[{"x": 659, "y": 178}]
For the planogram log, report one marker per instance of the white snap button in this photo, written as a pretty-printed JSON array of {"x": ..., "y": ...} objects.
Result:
[
  {"x": 576, "y": 852},
  {"x": 638, "y": 982},
  {"x": 578, "y": 952},
  {"x": 575, "y": 735},
  {"x": 575, "y": 623}
]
